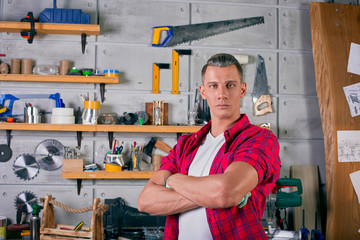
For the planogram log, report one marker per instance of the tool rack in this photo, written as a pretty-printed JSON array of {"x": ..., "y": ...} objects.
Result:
[
  {"x": 110, "y": 129},
  {"x": 102, "y": 80}
]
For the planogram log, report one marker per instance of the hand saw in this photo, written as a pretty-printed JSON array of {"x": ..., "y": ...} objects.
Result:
[
  {"x": 180, "y": 34},
  {"x": 261, "y": 94}
]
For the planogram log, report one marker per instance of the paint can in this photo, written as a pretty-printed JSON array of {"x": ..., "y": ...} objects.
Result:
[{"x": 3, "y": 227}]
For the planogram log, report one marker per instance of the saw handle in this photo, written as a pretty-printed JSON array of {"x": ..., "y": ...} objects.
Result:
[
  {"x": 157, "y": 34},
  {"x": 263, "y": 99}
]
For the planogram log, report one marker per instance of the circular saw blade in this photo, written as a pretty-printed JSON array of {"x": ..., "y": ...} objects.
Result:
[
  {"x": 49, "y": 154},
  {"x": 25, "y": 167},
  {"x": 26, "y": 200},
  {"x": 5, "y": 153}
]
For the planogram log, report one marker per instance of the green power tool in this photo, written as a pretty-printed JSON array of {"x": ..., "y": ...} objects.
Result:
[{"x": 288, "y": 199}]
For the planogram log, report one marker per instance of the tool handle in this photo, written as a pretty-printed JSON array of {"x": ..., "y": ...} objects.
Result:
[
  {"x": 258, "y": 105},
  {"x": 162, "y": 146},
  {"x": 290, "y": 182},
  {"x": 157, "y": 34}
]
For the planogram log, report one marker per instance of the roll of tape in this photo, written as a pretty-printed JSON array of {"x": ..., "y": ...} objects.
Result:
[
  {"x": 63, "y": 119},
  {"x": 63, "y": 111},
  {"x": 112, "y": 168}
]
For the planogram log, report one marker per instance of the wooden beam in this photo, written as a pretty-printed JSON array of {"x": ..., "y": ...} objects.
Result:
[
  {"x": 333, "y": 28},
  {"x": 51, "y": 28}
]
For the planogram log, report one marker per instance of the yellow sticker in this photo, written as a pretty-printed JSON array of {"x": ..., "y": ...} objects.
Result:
[{"x": 3, "y": 232}]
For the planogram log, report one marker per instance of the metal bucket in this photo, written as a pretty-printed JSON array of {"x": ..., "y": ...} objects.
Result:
[{"x": 32, "y": 115}]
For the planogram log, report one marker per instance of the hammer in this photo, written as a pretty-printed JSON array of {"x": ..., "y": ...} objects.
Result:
[{"x": 148, "y": 149}]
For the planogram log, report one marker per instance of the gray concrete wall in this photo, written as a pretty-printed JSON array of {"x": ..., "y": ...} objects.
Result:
[{"x": 125, "y": 44}]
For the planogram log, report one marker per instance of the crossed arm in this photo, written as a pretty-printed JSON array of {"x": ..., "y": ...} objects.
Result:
[{"x": 188, "y": 192}]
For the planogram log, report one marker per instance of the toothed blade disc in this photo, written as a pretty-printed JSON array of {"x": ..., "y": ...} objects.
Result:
[
  {"x": 25, "y": 167},
  {"x": 26, "y": 199},
  {"x": 49, "y": 154}
]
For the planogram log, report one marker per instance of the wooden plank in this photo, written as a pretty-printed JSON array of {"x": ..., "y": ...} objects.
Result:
[
  {"x": 148, "y": 128},
  {"x": 99, "y": 128},
  {"x": 108, "y": 175},
  {"x": 309, "y": 176},
  {"x": 333, "y": 28},
  {"x": 51, "y": 28},
  {"x": 61, "y": 232},
  {"x": 57, "y": 78},
  {"x": 48, "y": 127}
]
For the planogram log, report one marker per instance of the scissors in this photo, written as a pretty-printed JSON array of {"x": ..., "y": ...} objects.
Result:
[{"x": 118, "y": 150}]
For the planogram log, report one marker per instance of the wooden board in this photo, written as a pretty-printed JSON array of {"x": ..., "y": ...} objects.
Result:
[
  {"x": 51, "y": 28},
  {"x": 309, "y": 176},
  {"x": 57, "y": 78},
  {"x": 333, "y": 28}
]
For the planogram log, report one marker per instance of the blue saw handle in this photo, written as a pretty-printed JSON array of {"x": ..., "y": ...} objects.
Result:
[
  {"x": 11, "y": 99},
  {"x": 157, "y": 34}
]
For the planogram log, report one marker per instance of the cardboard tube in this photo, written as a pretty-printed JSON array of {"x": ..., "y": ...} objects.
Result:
[
  {"x": 26, "y": 66},
  {"x": 15, "y": 66},
  {"x": 64, "y": 67},
  {"x": 156, "y": 161}
]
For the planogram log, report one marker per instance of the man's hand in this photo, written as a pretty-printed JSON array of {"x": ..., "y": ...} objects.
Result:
[
  {"x": 218, "y": 190},
  {"x": 156, "y": 199}
]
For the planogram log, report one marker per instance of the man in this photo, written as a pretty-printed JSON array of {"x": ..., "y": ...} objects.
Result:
[{"x": 204, "y": 184}]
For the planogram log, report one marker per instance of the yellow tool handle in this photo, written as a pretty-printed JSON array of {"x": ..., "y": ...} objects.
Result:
[
  {"x": 175, "y": 72},
  {"x": 259, "y": 107},
  {"x": 157, "y": 34},
  {"x": 156, "y": 73}
]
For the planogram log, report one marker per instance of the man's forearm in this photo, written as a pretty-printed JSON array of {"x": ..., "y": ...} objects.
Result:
[
  {"x": 156, "y": 199},
  {"x": 219, "y": 190}
]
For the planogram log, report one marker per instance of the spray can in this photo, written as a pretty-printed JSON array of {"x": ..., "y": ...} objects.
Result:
[{"x": 35, "y": 222}]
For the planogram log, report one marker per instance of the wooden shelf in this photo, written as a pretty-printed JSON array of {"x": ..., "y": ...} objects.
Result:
[
  {"x": 108, "y": 175},
  {"x": 57, "y": 78},
  {"x": 51, "y": 28},
  {"x": 99, "y": 128}
]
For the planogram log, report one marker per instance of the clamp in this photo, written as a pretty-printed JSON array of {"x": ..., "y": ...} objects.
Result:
[{"x": 29, "y": 35}]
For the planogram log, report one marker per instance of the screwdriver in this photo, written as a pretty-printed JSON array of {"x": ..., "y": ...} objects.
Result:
[
  {"x": 304, "y": 232},
  {"x": 316, "y": 234}
]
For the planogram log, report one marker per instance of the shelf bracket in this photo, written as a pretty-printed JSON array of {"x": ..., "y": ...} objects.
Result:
[
  {"x": 78, "y": 183},
  {"x": 8, "y": 137},
  {"x": 178, "y": 135},
  {"x": 79, "y": 136},
  {"x": 102, "y": 92},
  {"x": 111, "y": 137},
  {"x": 83, "y": 42}
]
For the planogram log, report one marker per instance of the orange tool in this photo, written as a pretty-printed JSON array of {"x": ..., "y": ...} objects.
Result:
[
  {"x": 156, "y": 75},
  {"x": 175, "y": 68}
]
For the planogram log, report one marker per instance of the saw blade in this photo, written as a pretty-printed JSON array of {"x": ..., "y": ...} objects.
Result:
[
  {"x": 49, "y": 154},
  {"x": 199, "y": 31},
  {"x": 25, "y": 167},
  {"x": 5, "y": 153},
  {"x": 26, "y": 200},
  {"x": 261, "y": 81}
]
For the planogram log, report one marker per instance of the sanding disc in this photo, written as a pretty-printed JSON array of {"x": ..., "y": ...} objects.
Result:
[
  {"x": 5, "y": 153},
  {"x": 49, "y": 154}
]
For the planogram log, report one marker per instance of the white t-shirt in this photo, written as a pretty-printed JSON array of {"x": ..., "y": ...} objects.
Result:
[{"x": 193, "y": 224}]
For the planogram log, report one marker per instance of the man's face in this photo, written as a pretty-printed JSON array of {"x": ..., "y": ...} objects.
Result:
[{"x": 223, "y": 89}]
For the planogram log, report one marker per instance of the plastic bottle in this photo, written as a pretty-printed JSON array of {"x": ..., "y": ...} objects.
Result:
[{"x": 35, "y": 222}]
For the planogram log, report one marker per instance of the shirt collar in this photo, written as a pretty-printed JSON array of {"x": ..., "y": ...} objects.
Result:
[{"x": 230, "y": 133}]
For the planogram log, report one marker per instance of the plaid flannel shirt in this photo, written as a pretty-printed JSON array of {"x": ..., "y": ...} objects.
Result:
[{"x": 243, "y": 142}]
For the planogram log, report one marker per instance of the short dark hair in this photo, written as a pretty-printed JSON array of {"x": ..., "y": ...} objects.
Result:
[{"x": 222, "y": 60}]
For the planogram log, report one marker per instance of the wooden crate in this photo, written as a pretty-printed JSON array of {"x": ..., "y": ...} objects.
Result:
[{"x": 50, "y": 230}]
